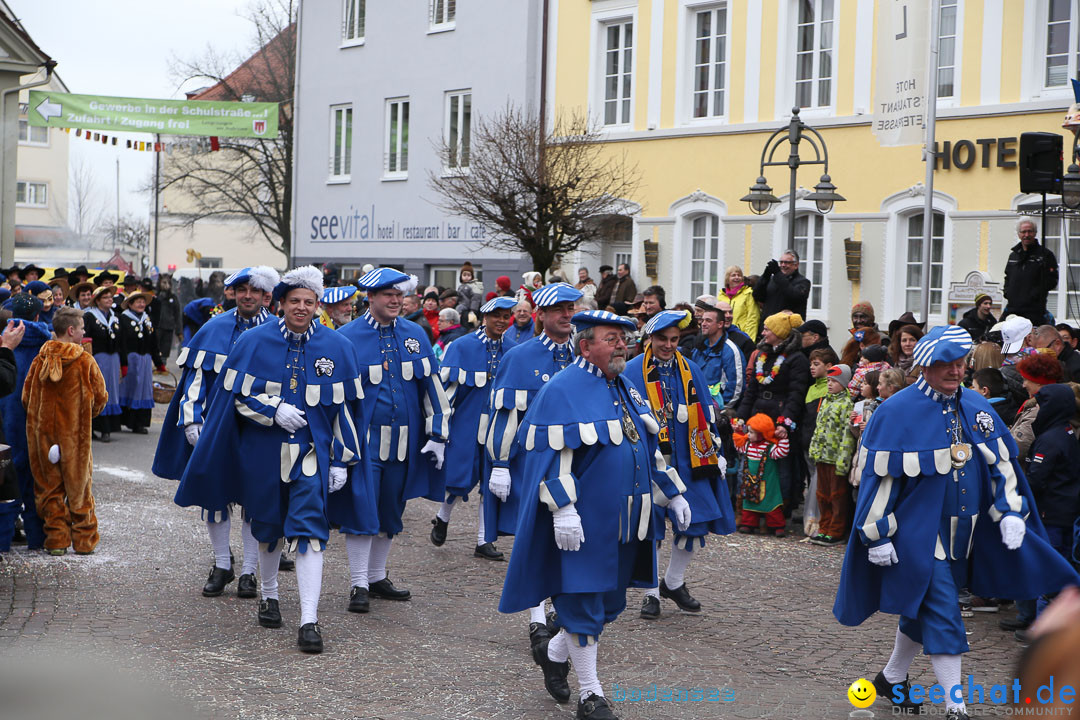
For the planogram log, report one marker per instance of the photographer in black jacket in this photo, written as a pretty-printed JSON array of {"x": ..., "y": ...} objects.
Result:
[{"x": 782, "y": 287}]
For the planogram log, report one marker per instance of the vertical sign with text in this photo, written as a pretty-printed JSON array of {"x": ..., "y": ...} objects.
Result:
[{"x": 900, "y": 92}]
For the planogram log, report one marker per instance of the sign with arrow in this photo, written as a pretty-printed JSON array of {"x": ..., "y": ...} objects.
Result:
[{"x": 168, "y": 117}]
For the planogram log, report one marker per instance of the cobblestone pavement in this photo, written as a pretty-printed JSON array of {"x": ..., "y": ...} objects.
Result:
[{"x": 133, "y": 610}]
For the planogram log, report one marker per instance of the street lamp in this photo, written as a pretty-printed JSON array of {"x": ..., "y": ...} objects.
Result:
[
  {"x": 761, "y": 197},
  {"x": 1070, "y": 188}
]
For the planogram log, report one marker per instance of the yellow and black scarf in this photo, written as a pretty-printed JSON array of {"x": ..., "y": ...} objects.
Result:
[{"x": 703, "y": 454}]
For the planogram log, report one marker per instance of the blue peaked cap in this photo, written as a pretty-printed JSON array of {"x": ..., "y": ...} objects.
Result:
[
  {"x": 381, "y": 278},
  {"x": 665, "y": 319},
  {"x": 337, "y": 294},
  {"x": 498, "y": 303},
  {"x": 601, "y": 317},
  {"x": 556, "y": 293},
  {"x": 945, "y": 343}
]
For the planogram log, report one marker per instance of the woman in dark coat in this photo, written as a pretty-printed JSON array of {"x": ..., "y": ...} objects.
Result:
[
  {"x": 102, "y": 329},
  {"x": 139, "y": 355}
]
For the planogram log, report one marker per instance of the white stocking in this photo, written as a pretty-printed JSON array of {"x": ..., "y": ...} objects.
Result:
[
  {"x": 584, "y": 660},
  {"x": 445, "y": 509},
  {"x": 380, "y": 550},
  {"x": 219, "y": 540},
  {"x": 251, "y": 550},
  {"x": 537, "y": 614},
  {"x": 358, "y": 548},
  {"x": 480, "y": 521},
  {"x": 676, "y": 569},
  {"x": 309, "y": 582},
  {"x": 559, "y": 647},
  {"x": 268, "y": 570},
  {"x": 904, "y": 651},
  {"x": 947, "y": 670}
]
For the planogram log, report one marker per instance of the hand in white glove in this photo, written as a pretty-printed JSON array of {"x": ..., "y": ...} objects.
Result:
[
  {"x": 191, "y": 432},
  {"x": 1013, "y": 529},
  {"x": 338, "y": 476},
  {"x": 883, "y": 555},
  {"x": 290, "y": 417},
  {"x": 54, "y": 456},
  {"x": 681, "y": 508},
  {"x": 568, "y": 532},
  {"x": 437, "y": 449},
  {"x": 499, "y": 483}
]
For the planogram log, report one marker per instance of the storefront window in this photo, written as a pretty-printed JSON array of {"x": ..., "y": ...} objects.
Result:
[
  {"x": 810, "y": 244},
  {"x": 914, "y": 264},
  {"x": 1064, "y": 302},
  {"x": 705, "y": 256}
]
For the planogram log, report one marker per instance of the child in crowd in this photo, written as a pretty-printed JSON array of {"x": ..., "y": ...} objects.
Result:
[
  {"x": 990, "y": 383},
  {"x": 820, "y": 361},
  {"x": 63, "y": 392},
  {"x": 890, "y": 382},
  {"x": 866, "y": 404},
  {"x": 831, "y": 449},
  {"x": 759, "y": 476},
  {"x": 871, "y": 358}
]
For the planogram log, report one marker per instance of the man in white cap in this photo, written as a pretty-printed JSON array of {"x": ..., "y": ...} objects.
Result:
[
  {"x": 200, "y": 361},
  {"x": 1014, "y": 336}
]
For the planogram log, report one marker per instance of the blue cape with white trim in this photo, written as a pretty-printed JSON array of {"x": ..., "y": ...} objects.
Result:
[{"x": 905, "y": 440}]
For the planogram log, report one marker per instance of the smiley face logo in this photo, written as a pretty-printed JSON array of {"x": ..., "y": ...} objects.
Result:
[{"x": 861, "y": 693}]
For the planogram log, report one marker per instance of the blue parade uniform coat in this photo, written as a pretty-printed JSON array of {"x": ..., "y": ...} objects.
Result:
[
  {"x": 575, "y": 451},
  {"x": 404, "y": 393},
  {"x": 468, "y": 368},
  {"x": 282, "y": 478},
  {"x": 525, "y": 369},
  {"x": 200, "y": 361},
  {"x": 709, "y": 498},
  {"x": 908, "y": 485}
]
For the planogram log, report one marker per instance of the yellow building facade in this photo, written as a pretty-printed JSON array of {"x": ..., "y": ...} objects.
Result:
[{"x": 690, "y": 90}]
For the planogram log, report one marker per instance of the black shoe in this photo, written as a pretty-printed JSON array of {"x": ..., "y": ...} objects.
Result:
[
  {"x": 956, "y": 714},
  {"x": 286, "y": 564},
  {"x": 310, "y": 638},
  {"x": 140, "y": 430},
  {"x": 385, "y": 589},
  {"x": 106, "y": 437},
  {"x": 486, "y": 551},
  {"x": 595, "y": 707},
  {"x": 884, "y": 690},
  {"x": 1022, "y": 637},
  {"x": 438, "y": 532},
  {"x": 650, "y": 608},
  {"x": 1012, "y": 624},
  {"x": 681, "y": 597},
  {"x": 358, "y": 600},
  {"x": 538, "y": 633},
  {"x": 269, "y": 613},
  {"x": 246, "y": 587},
  {"x": 215, "y": 584},
  {"x": 553, "y": 623},
  {"x": 554, "y": 672}
]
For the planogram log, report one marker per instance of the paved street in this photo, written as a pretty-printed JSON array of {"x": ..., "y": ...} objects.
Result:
[{"x": 130, "y": 622}]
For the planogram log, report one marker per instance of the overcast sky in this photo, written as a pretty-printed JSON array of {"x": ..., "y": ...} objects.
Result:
[{"x": 124, "y": 48}]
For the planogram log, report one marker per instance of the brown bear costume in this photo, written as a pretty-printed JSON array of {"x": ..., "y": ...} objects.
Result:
[{"x": 63, "y": 392}]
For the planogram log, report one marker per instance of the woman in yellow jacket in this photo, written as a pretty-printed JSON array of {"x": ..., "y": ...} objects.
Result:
[{"x": 741, "y": 297}]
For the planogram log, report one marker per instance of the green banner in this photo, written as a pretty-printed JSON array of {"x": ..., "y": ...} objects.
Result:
[{"x": 169, "y": 117}]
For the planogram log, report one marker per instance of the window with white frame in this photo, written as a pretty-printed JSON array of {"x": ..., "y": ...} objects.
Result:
[
  {"x": 618, "y": 69},
  {"x": 710, "y": 62},
  {"x": 705, "y": 276},
  {"x": 458, "y": 129},
  {"x": 622, "y": 258},
  {"x": 340, "y": 141},
  {"x": 815, "y": 45},
  {"x": 353, "y": 19},
  {"x": 442, "y": 13},
  {"x": 947, "y": 40},
  {"x": 448, "y": 276},
  {"x": 913, "y": 287},
  {"x": 32, "y": 134},
  {"x": 34, "y": 194},
  {"x": 810, "y": 244},
  {"x": 1064, "y": 301},
  {"x": 1062, "y": 43},
  {"x": 396, "y": 163}
]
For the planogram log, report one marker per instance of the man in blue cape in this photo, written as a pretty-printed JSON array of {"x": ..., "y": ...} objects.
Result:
[
  {"x": 586, "y": 533},
  {"x": 522, "y": 373},
  {"x": 279, "y": 438},
  {"x": 678, "y": 395},
  {"x": 200, "y": 361},
  {"x": 405, "y": 403},
  {"x": 467, "y": 369},
  {"x": 943, "y": 504}
]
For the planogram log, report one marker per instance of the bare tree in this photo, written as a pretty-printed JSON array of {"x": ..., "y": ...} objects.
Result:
[
  {"x": 536, "y": 193},
  {"x": 86, "y": 209},
  {"x": 249, "y": 177}
]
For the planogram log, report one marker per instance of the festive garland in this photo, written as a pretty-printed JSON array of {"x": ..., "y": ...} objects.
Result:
[{"x": 759, "y": 369}]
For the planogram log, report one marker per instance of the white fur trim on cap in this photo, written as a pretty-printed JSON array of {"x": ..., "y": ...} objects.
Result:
[
  {"x": 308, "y": 277},
  {"x": 408, "y": 287},
  {"x": 263, "y": 277}
]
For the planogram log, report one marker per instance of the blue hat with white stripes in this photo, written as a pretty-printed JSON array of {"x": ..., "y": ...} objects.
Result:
[
  {"x": 556, "y": 293},
  {"x": 668, "y": 318},
  {"x": 381, "y": 278},
  {"x": 260, "y": 277},
  {"x": 601, "y": 317},
  {"x": 945, "y": 343},
  {"x": 498, "y": 303},
  {"x": 337, "y": 294}
]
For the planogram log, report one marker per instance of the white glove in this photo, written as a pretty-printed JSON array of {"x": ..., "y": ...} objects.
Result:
[
  {"x": 1013, "y": 529},
  {"x": 499, "y": 483},
  {"x": 883, "y": 555},
  {"x": 681, "y": 508},
  {"x": 568, "y": 532},
  {"x": 338, "y": 476},
  {"x": 289, "y": 417},
  {"x": 54, "y": 457},
  {"x": 191, "y": 432},
  {"x": 437, "y": 449}
]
